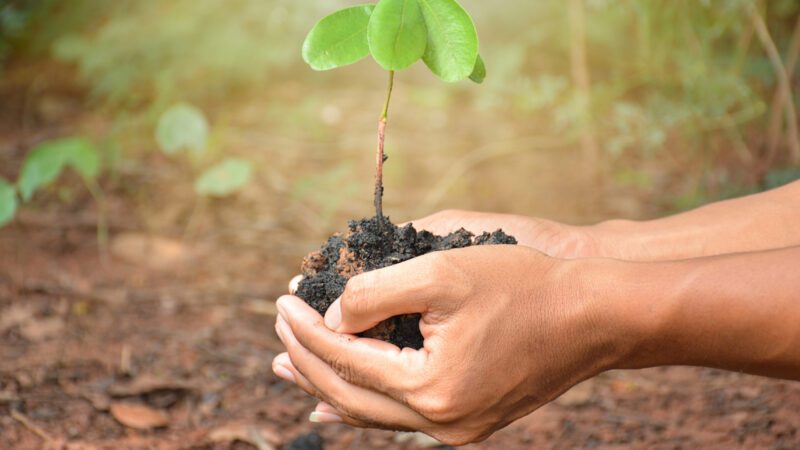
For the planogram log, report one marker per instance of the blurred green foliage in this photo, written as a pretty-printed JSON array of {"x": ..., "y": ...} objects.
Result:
[
  {"x": 672, "y": 80},
  {"x": 657, "y": 66},
  {"x": 45, "y": 163}
]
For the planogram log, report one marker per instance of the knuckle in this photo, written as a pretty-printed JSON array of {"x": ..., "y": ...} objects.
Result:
[
  {"x": 437, "y": 408},
  {"x": 343, "y": 369},
  {"x": 438, "y": 268},
  {"x": 446, "y": 276},
  {"x": 355, "y": 297}
]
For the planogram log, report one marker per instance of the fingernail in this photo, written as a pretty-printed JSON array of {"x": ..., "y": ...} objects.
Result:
[
  {"x": 318, "y": 417},
  {"x": 294, "y": 284},
  {"x": 333, "y": 317},
  {"x": 284, "y": 373}
]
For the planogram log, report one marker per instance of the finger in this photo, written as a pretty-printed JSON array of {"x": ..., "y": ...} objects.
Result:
[
  {"x": 326, "y": 413},
  {"x": 294, "y": 284},
  {"x": 283, "y": 368},
  {"x": 372, "y": 297},
  {"x": 369, "y": 363},
  {"x": 369, "y": 407}
]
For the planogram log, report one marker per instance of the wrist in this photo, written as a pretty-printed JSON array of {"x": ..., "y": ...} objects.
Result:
[{"x": 623, "y": 317}]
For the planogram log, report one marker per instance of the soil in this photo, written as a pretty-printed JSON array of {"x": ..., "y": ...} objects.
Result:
[{"x": 371, "y": 244}]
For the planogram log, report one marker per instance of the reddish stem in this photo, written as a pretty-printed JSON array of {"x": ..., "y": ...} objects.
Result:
[{"x": 380, "y": 158}]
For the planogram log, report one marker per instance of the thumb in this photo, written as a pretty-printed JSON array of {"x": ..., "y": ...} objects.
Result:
[{"x": 372, "y": 297}]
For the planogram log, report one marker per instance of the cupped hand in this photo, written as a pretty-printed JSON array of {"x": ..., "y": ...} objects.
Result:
[
  {"x": 507, "y": 329},
  {"x": 552, "y": 238}
]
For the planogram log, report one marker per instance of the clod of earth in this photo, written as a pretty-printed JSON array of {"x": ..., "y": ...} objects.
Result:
[{"x": 368, "y": 246}]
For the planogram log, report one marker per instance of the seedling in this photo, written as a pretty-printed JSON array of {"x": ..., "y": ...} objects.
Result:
[
  {"x": 184, "y": 128},
  {"x": 398, "y": 33}
]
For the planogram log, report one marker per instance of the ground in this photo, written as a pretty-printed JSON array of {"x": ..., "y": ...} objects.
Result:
[
  {"x": 79, "y": 341},
  {"x": 164, "y": 340}
]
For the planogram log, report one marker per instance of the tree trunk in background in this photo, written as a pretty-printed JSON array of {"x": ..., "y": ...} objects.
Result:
[
  {"x": 581, "y": 79},
  {"x": 784, "y": 86}
]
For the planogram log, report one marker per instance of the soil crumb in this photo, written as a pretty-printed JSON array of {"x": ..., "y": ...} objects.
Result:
[{"x": 366, "y": 247}]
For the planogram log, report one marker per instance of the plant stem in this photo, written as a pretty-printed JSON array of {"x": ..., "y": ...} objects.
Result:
[
  {"x": 102, "y": 218},
  {"x": 381, "y": 156}
]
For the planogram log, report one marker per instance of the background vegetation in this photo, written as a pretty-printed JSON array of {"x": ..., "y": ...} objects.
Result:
[{"x": 672, "y": 103}]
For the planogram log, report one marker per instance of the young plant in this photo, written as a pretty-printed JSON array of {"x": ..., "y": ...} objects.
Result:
[
  {"x": 184, "y": 128},
  {"x": 398, "y": 33},
  {"x": 44, "y": 165}
]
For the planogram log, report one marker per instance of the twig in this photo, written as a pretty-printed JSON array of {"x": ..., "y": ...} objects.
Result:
[
  {"x": 258, "y": 440},
  {"x": 782, "y": 75},
  {"x": 19, "y": 417},
  {"x": 380, "y": 158},
  {"x": 779, "y": 99}
]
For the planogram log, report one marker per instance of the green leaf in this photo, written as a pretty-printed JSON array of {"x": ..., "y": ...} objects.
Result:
[
  {"x": 41, "y": 167},
  {"x": 182, "y": 127},
  {"x": 224, "y": 178},
  {"x": 397, "y": 34},
  {"x": 82, "y": 156},
  {"x": 338, "y": 39},
  {"x": 479, "y": 72},
  {"x": 8, "y": 202},
  {"x": 45, "y": 163},
  {"x": 452, "y": 40}
]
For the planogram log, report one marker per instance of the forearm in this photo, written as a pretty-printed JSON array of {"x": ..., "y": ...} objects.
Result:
[
  {"x": 737, "y": 312},
  {"x": 757, "y": 222}
]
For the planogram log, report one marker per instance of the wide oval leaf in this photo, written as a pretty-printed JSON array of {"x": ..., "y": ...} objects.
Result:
[
  {"x": 397, "y": 34},
  {"x": 45, "y": 162},
  {"x": 338, "y": 39},
  {"x": 452, "y": 39},
  {"x": 479, "y": 72},
  {"x": 182, "y": 127},
  {"x": 8, "y": 202},
  {"x": 224, "y": 178}
]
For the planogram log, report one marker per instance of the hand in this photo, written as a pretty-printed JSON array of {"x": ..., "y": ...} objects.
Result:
[
  {"x": 552, "y": 238},
  {"x": 506, "y": 330}
]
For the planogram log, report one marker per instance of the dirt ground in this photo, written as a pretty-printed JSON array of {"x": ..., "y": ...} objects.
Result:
[
  {"x": 165, "y": 342},
  {"x": 190, "y": 347}
]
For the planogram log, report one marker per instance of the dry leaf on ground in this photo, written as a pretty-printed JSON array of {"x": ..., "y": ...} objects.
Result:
[{"x": 139, "y": 417}]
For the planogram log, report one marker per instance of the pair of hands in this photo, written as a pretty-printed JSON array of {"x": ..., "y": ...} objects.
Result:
[{"x": 506, "y": 331}]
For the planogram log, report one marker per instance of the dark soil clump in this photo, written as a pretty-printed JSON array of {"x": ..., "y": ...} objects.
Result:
[{"x": 369, "y": 247}]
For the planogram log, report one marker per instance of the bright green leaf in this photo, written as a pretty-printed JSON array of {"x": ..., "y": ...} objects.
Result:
[
  {"x": 479, "y": 72},
  {"x": 397, "y": 34},
  {"x": 41, "y": 167},
  {"x": 8, "y": 202},
  {"x": 452, "y": 40},
  {"x": 44, "y": 163},
  {"x": 338, "y": 39},
  {"x": 182, "y": 127},
  {"x": 224, "y": 178}
]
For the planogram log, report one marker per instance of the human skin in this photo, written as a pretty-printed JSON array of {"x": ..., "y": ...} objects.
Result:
[
  {"x": 508, "y": 329},
  {"x": 757, "y": 222}
]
